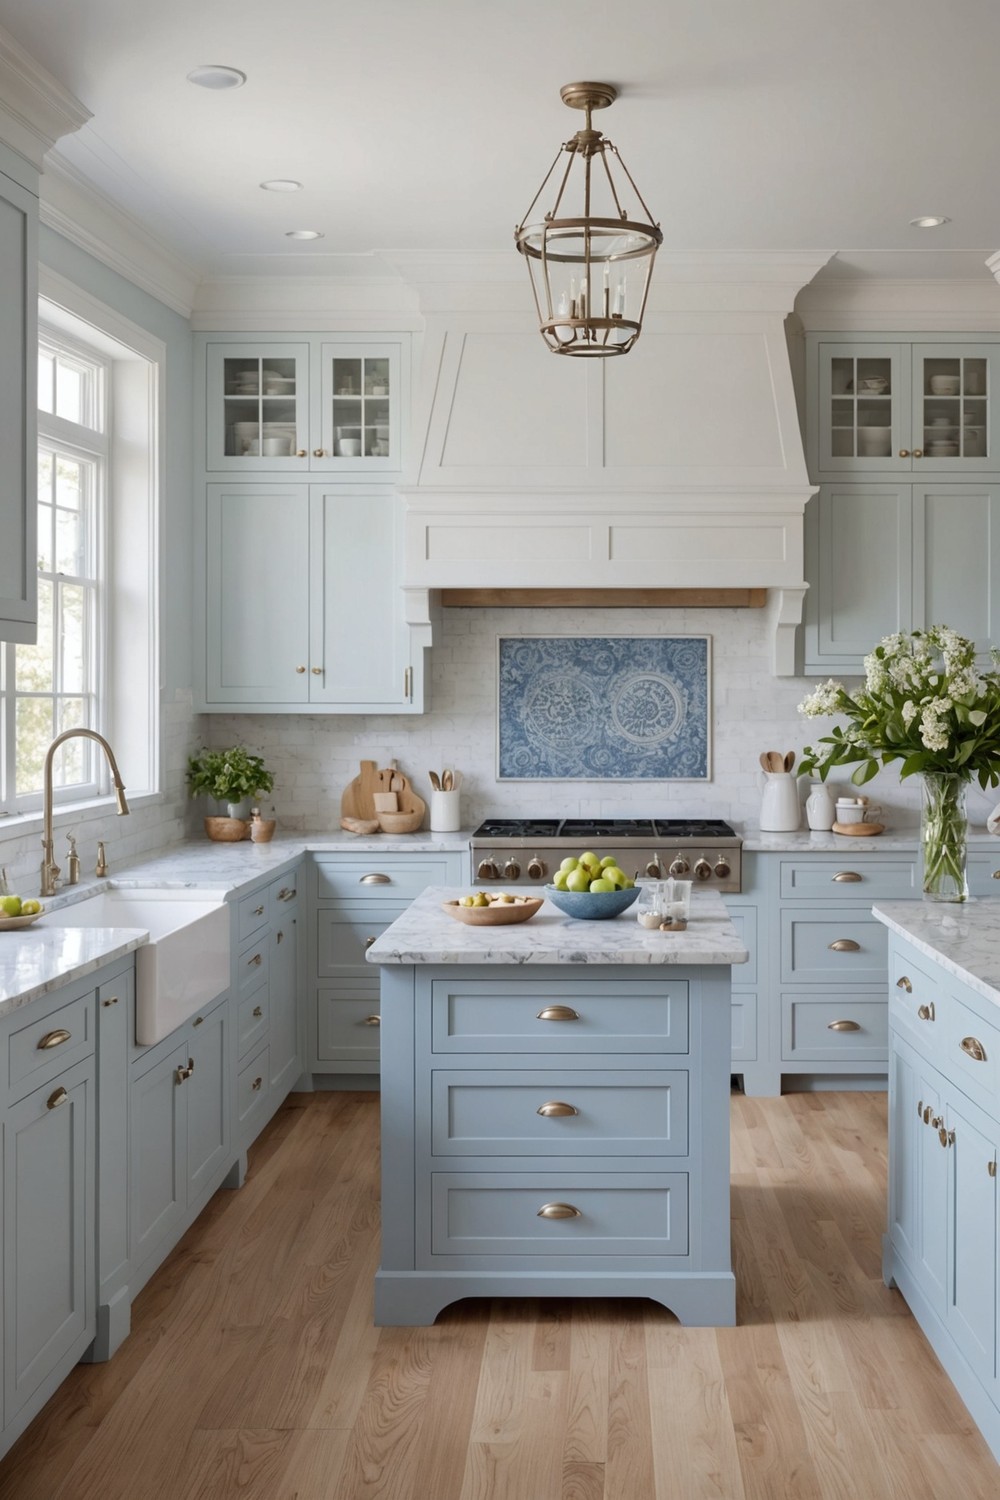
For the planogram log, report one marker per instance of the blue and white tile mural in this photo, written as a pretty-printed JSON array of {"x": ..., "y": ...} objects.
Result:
[{"x": 600, "y": 708}]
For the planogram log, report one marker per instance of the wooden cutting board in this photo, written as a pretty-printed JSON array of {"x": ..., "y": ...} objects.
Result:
[{"x": 358, "y": 799}]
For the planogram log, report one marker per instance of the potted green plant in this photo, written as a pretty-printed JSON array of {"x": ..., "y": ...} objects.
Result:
[{"x": 231, "y": 776}]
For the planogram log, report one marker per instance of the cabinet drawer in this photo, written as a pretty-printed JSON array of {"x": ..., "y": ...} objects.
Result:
[
  {"x": 915, "y": 1002},
  {"x": 251, "y": 914},
  {"x": 608, "y": 1114},
  {"x": 252, "y": 966},
  {"x": 744, "y": 919},
  {"x": 344, "y": 935},
  {"x": 744, "y": 1026},
  {"x": 43, "y": 1047},
  {"x": 828, "y": 1027},
  {"x": 970, "y": 1051},
  {"x": 357, "y": 875},
  {"x": 829, "y": 879},
  {"x": 251, "y": 1089},
  {"x": 810, "y": 955},
  {"x": 284, "y": 895},
  {"x": 488, "y": 1016},
  {"x": 251, "y": 1021},
  {"x": 497, "y": 1214},
  {"x": 347, "y": 1030},
  {"x": 984, "y": 874}
]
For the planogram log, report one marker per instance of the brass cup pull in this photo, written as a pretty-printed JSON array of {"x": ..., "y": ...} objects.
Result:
[
  {"x": 920, "y": 1108},
  {"x": 258, "y": 1011},
  {"x": 111, "y": 1000},
  {"x": 53, "y": 1039},
  {"x": 556, "y": 1107},
  {"x": 946, "y": 1137},
  {"x": 995, "y": 875},
  {"x": 935, "y": 1122},
  {"x": 559, "y": 1211},
  {"x": 369, "y": 941},
  {"x": 375, "y": 880},
  {"x": 926, "y": 1012},
  {"x": 844, "y": 1026},
  {"x": 973, "y": 1047},
  {"x": 848, "y": 876},
  {"x": 255, "y": 962},
  {"x": 845, "y": 945},
  {"x": 904, "y": 984},
  {"x": 372, "y": 1021},
  {"x": 557, "y": 1013},
  {"x": 54, "y": 1100},
  {"x": 256, "y": 1084}
]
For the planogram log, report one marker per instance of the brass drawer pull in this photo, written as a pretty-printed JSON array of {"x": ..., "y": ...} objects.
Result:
[
  {"x": 258, "y": 1011},
  {"x": 258, "y": 911},
  {"x": 556, "y": 1107},
  {"x": 844, "y": 1026},
  {"x": 848, "y": 876},
  {"x": 279, "y": 937},
  {"x": 991, "y": 1167},
  {"x": 255, "y": 961},
  {"x": 183, "y": 1073},
  {"x": 53, "y": 1039},
  {"x": 973, "y": 1047},
  {"x": 926, "y": 1012},
  {"x": 904, "y": 984},
  {"x": 926, "y": 1117},
  {"x": 368, "y": 942},
  {"x": 372, "y": 1021},
  {"x": 111, "y": 1000},
  {"x": 375, "y": 879},
  {"x": 845, "y": 945},
  {"x": 920, "y": 1109},
  {"x": 256, "y": 1084},
  {"x": 557, "y": 1013},
  {"x": 287, "y": 893},
  {"x": 54, "y": 1100},
  {"x": 946, "y": 1137},
  {"x": 198, "y": 1021},
  {"x": 936, "y": 1121},
  {"x": 559, "y": 1211}
]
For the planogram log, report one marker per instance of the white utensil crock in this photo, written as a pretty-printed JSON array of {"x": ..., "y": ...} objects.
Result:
[
  {"x": 446, "y": 815},
  {"x": 779, "y": 808}
]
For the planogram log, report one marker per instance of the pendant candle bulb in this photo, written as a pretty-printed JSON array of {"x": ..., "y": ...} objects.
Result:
[{"x": 594, "y": 318}]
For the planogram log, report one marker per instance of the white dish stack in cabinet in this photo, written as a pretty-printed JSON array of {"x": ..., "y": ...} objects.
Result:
[{"x": 903, "y": 439}]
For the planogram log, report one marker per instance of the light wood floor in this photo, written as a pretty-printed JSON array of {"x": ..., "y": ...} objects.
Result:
[{"x": 254, "y": 1371}]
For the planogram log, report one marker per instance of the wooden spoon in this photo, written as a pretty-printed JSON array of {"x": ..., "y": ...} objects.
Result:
[
  {"x": 789, "y": 760},
  {"x": 775, "y": 760},
  {"x": 765, "y": 763},
  {"x": 447, "y": 781},
  {"x": 435, "y": 780}
]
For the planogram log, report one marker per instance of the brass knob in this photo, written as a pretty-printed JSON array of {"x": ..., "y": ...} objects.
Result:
[
  {"x": 536, "y": 869},
  {"x": 255, "y": 962},
  {"x": 559, "y": 1211},
  {"x": 54, "y": 1100},
  {"x": 369, "y": 941},
  {"x": 844, "y": 1026},
  {"x": 300, "y": 670},
  {"x": 256, "y": 1084},
  {"x": 53, "y": 1039},
  {"x": 722, "y": 868},
  {"x": 317, "y": 453},
  {"x": 845, "y": 945},
  {"x": 847, "y": 877},
  {"x": 918, "y": 453},
  {"x": 317, "y": 671},
  {"x": 557, "y": 1013},
  {"x": 679, "y": 866},
  {"x": 301, "y": 453},
  {"x": 112, "y": 1000},
  {"x": 902, "y": 983},
  {"x": 375, "y": 880},
  {"x": 654, "y": 868},
  {"x": 511, "y": 870},
  {"x": 372, "y": 1021},
  {"x": 926, "y": 1012},
  {"x": 554, "y": 1108},
  {"x": 973, "y": 1048},
  {"x": 258, "y": 1011},
  {"x": 904, "y": 452},
  {"x": 702, "y": 869}
]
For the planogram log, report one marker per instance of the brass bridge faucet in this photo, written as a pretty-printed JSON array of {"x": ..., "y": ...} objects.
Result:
[{"x": 50, "y": 870}]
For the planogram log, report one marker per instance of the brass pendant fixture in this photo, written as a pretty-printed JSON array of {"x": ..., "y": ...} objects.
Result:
[{"x": 589, "y": 269}]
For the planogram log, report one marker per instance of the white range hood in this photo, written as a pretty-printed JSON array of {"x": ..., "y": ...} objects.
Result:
[{"x": 679, "y": 465}]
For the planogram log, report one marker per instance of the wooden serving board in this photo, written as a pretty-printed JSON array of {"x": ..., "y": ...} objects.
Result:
[
  {"x": 358, "y": 799},
  {"x": 859, "y": 830}
]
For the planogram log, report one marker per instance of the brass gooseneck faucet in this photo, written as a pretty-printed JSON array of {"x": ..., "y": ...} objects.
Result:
[{"x": 50, "y": 870}]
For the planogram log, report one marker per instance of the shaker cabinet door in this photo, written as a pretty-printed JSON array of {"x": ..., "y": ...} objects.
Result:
[
  {"x": 18, "y": 411},
  {"x": 858, "y": 550},
  {"x": 956, "y": 559}
]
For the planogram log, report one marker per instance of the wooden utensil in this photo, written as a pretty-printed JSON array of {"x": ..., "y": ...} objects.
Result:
[
  {"x": 435, "y": 780},
  {"x": 447, "y": 781},
  {"x": 789, "y": 760},
  {"x": 765, "y": 763}
]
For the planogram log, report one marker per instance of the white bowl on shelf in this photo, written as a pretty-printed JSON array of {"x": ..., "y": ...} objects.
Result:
[
  {"x": 874, "y": 442},
  {"x": 945, "y": 385}
]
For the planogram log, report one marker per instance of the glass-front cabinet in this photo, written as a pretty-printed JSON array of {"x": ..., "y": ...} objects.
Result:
[
  {"x": 899, "y": 408},
  {"x": 319, "y": 406}
]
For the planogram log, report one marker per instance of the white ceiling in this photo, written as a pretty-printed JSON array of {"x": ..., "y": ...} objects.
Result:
[{"x": 429, "y": 124}]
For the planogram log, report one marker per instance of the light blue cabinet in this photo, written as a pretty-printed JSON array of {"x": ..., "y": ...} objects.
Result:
[
  {"x": 267, "y": 985},
  {"x": 19, "y": 407}
]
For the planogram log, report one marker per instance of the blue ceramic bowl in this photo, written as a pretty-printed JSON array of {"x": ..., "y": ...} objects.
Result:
[{"x": 591, "y": 906}]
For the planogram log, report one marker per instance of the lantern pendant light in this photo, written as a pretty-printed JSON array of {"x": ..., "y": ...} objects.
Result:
[{"x": 589, "y": 258}]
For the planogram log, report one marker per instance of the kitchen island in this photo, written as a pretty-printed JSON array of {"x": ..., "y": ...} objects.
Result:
[{"x": 555, "y": 1111}]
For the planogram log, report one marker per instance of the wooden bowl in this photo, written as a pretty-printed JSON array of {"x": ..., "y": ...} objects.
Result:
[
  {"x": 8, "y": 924},
  {"x": 497, "y": 914},
  {"x": 227, "y": 830},
  {"x": 400, "y": 822},
  {"x": 859, "y": 830}
]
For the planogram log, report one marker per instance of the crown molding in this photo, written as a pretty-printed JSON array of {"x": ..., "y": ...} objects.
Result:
[
  {"x": 35, "y": 109},
  {"x": 74, "y": 208},
  {"x": 351, "y": 304},
  {"x": 938, "y": 304}
]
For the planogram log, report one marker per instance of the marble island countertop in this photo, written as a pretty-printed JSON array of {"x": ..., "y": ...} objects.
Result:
[
  {"x": 425, "y": 934},
  {"x": 964, "y": 938}
]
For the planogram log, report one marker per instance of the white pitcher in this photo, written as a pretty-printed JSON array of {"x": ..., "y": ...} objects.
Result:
[
  {"x": 779, "y": 808},
  {"x": 821, "y": 812}
]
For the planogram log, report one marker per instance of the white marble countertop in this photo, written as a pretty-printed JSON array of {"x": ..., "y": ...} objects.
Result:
[
  {"x": 35, "y": 960},
  {"x": 425, "y": 934},
  {"x": 964, "y": 938},
  {"x": 894, "y": 840}
]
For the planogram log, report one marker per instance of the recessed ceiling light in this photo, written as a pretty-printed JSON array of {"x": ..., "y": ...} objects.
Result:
[
  {"x": 302, "y": 234},
  {"x": 929, "y": 221},
  {"x": 217, "y": 76},
  {"x": 281, "y": 185}
]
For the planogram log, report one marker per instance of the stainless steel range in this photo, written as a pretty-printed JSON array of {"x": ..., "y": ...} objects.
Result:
[{"x": 527, "y": 851}]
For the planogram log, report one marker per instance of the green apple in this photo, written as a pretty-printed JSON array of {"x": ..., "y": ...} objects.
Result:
[
  {"x": 614, "y": 874},
  {"x": 608, "y": 862},
  {"x": 10, "y": 906},
  {"x": 569, "y": 863},
  {"x": 30, "y": 908},
  {"x": 602, "y": 885},
  {"x": 628, "y": 884},
  {"x": 560, "y": 878},
  {"x": 578, "y": 880},
  {"x": 588, "y": 857}
]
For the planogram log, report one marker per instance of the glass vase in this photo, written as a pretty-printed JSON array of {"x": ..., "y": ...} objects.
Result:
[{"x": 943, "y": 828}]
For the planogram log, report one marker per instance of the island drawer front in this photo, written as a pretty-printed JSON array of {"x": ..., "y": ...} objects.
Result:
[
  {"x": 811, "y": 1027},
  {"x": 347, "y": 1030},
  {"x": 915, "y": 1001},
  {"x": 810, "y": 951},
  {"x": 488, "y": 1016},
  {"x": 39, "y": 1049},
  {"x": 983, "y": 872},
  {"x": 617, "y": 1114},
  {"x": 405, "y": 875},
  {"x": 344, "y": 935},
  {"x": 253, "y": 966},
  {"x": 970, "y": 1050},
  {"x": 815, "y": 878},
  {"x": 744, "y": 1026},
  {"x": 497, "y": 1214},
  {"x": 251, "y": 914},
  {"x": 251, "y": 1021},
  {"x": 251, "y": 1091}
]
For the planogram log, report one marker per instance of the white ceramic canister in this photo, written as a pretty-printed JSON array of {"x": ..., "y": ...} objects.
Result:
[
  {"x": 446, "y": 815},
  {"x": 779, "y": 807},
  {"x": 821, "y": 810}
]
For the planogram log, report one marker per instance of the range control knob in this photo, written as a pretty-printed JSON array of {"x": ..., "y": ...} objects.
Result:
[
  {"x": 702, "y": 869},
  {"x": 654, "y": 868},
  {"x": 536, "y": 869},
  {"x": 722, "y": 867},
  {"x": 679, "y": 866},
  {"x": 511, "y": 870},
  {"x": 487, "y": 870}
]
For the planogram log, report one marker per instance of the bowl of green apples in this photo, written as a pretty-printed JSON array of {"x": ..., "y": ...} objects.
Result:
[{"x": 591, "y": 889}]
